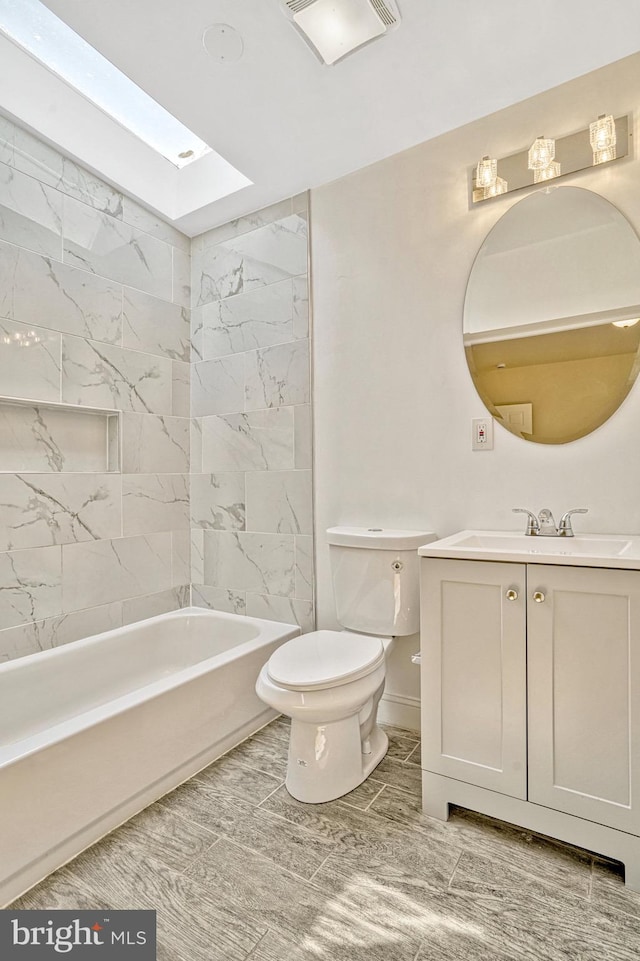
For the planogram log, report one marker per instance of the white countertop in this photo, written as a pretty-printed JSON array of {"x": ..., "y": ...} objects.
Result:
[{"x": 582, "y": 550}]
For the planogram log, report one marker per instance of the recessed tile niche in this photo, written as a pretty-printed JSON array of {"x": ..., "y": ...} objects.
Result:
[{"x": 57, "y": 437}]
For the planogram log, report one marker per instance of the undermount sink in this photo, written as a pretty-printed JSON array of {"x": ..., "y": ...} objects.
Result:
[{"x": 611, "y": 550}]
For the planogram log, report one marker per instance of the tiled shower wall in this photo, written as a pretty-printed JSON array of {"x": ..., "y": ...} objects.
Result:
[
  {"x": 251, "y": 481},
  {"x": 94, "y": 298}
]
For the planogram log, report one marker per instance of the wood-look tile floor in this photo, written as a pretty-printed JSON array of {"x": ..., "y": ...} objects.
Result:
[{"x": 239, "y": 871}]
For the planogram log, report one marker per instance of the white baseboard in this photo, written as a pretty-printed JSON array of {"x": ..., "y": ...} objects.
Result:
[{"x": 400, "y": 711}]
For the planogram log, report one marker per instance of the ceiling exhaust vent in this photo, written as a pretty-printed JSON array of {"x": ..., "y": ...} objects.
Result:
[{"x": 335, "y": 28}]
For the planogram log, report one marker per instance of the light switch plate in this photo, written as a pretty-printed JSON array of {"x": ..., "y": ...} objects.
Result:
[{"x": 482, "y": 433}]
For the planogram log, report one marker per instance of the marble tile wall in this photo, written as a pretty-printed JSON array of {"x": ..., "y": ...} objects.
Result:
[
  {"x": 95, "y": 312},
  {"x": 251, "y": 471}
]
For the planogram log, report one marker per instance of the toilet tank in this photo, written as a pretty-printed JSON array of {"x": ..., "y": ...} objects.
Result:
[{"x": 375, "y": 578}]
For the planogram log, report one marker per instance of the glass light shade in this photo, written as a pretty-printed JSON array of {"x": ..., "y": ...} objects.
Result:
[
  {"x": 495, "y": 189},
  {"x": 541, "y": 153},
  {"x": 547, "y": 173},
  {"x": 626, "y": 323},
  {"x": 486, "y": 172},
  {"x": 603, "y": 156},
  {"x": 602, "y": 133}
]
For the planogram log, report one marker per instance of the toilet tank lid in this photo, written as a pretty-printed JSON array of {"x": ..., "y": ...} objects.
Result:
[{"x": 379, "y": 538}]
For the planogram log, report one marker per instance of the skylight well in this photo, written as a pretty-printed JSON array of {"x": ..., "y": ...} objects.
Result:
[{"x": 32, "y": 26}]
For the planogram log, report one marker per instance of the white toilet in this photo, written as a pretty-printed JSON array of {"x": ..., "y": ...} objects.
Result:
[{"x": 330, "y": 682}]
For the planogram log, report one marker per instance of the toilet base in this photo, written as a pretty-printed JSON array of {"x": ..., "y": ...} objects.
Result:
[{"x": 326, "y": 760}]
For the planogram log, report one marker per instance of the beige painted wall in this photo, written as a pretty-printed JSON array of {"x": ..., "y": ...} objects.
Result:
[{"x": 392, "y": 247}]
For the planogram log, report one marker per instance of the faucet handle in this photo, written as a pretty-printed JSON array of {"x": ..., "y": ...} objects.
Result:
[
  {"x": 533, "y": 525},
  {"x": 564, "y": 527}
]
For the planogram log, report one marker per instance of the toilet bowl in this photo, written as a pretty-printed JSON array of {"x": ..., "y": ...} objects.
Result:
[
  {"x": 330, "y": 682},
  {"x": 330, "y": 687}
]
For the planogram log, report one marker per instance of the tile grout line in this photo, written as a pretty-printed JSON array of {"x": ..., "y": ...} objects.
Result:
[
  {"x": 320, "y": 866},
  {"x": 257, "y": 944},
  {"x": 373, "y": 799},
  {"x": 183, "y": 872},
  {"x": 455, "y": 868}
]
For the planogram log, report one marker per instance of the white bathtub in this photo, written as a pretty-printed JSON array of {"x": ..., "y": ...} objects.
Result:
[{"x": 92, "y": 732}]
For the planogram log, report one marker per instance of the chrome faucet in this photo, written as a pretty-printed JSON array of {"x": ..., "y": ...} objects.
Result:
[{"x": 544, "y": 525}]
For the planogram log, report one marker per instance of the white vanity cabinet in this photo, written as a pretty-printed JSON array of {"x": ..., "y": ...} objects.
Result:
[{"x": 531, "y": 698}]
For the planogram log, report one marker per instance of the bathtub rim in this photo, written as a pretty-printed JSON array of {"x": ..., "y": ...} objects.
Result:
[{"x": 16, "y": 751}]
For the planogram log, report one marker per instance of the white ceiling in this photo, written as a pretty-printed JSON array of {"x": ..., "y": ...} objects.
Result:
[{"x": 289, "y": 123}]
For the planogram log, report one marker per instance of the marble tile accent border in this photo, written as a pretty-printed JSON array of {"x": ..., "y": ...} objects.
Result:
[
  {"x": 39, "y": 510},
  {"x": 36, "y": 290},
  {"x": 154, "y": 502},
  {"x": 112, "y": 570},
  {"x": 30, "y": 213}
]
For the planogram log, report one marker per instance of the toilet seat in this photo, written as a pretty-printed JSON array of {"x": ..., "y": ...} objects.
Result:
[{"x": 324, "y": 659}]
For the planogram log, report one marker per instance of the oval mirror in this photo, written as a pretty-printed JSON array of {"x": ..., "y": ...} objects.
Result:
[{"x": 551, "y": 315}]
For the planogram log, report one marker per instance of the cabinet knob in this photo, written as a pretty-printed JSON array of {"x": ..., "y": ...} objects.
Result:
[
  {"x": 538, "y": 597},
  {"x": 512, "y": 595}
]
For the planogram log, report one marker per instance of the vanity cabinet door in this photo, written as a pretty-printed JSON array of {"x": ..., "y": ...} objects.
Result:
[
  {"x": 584, "y": 692},
  {"x": 473, "y": 679}
]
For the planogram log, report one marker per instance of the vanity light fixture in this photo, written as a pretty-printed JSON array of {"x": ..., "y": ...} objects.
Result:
[
  {"x": 487, "y": 177},
  {"x": 625, "y": 323},
  {"x": 552, "y": 170},
  {"x": 602, "y": 141},
  {"x": 602, "y": 133},
  {"x": 335, "y": 28},
  {"x": 541, "y": 153},
  {"x": 486, "y": 171},
  {"x": 499, "y": 186}
]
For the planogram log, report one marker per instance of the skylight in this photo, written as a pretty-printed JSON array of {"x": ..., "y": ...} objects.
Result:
[{"x": 32, "y": 26}]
